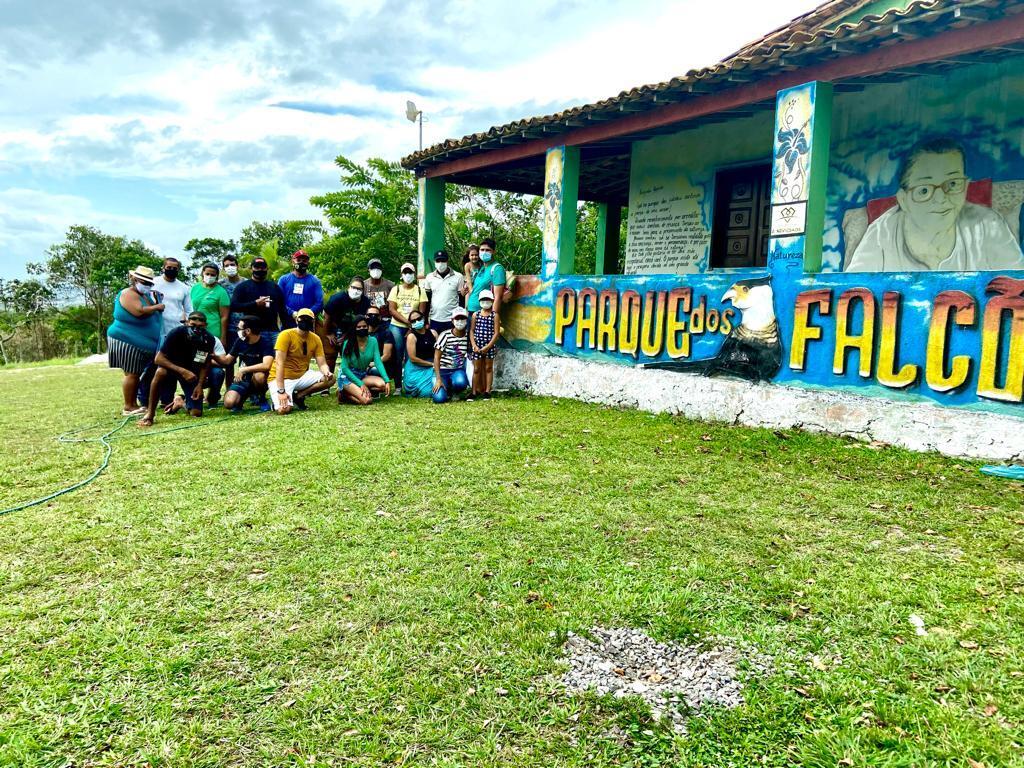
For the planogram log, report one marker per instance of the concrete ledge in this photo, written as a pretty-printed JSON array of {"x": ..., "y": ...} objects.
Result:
[{"x": 917, "y": 426}]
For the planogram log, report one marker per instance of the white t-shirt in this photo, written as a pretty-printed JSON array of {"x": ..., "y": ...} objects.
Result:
[
  {"x": 444, "y": 294},
  {"x": 177, "y": 298},
  {"x": 983, "y": 242}
]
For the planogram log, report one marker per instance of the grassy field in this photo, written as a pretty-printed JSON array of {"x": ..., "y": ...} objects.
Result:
[{"x": 353, "y": 587}]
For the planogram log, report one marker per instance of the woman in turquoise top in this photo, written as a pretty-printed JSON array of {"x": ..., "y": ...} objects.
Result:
[
  {"x": 133, "y": 337},
  {"x": 356, "y": 384},
  {"x": 209, "y": 297}
]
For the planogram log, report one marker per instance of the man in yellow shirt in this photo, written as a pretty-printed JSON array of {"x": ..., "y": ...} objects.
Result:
[{"x": 293, "y": 380}]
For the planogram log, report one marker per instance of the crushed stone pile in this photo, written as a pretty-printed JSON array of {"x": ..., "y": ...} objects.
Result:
[{"x": 674, "y": 680}]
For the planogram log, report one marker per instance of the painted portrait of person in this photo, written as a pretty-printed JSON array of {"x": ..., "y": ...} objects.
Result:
[{"x": 933, "y": 226}]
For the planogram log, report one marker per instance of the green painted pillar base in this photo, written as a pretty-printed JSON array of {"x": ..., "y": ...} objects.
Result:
[
  {"x": 561, "y": 193},
  {"x": 430, "y": 223}
]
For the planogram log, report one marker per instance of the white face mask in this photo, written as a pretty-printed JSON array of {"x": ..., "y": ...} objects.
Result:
[
  {"x": 442, "y": 267},
  {"x": 408, "y": 278},
  {"x": 459, "y": 324},
  {"x": 241, "y": 334},
  {"x": 376, "y": 273},
  {"x": 144, "y": 289},
  {"x": 355, "y": 293},
  {"x": 209, "y": 279},
  {"x": 230, "y": 271},
  {"x": 486, "y": 304}
]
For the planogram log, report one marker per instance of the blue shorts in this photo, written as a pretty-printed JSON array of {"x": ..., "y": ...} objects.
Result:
[
  {"x": 344, "y": 380},
  {"x": 243, "y": 387}
]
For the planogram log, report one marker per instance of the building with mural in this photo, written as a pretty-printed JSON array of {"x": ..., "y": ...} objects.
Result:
[{"x": 824, "y": 231}]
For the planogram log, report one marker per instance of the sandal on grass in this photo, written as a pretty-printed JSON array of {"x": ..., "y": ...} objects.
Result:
[{"x": 134, "y": 411}]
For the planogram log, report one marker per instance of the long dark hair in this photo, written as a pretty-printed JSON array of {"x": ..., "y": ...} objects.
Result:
[{"x": 351, "y": 345}]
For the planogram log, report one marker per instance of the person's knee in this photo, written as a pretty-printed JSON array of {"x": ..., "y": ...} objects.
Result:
[
  {"x": 231, "y": 399},
  {"x": 459, "y": 381},
  {"x": 441, "y": 396},
  {"x": 259, "y": 380}
]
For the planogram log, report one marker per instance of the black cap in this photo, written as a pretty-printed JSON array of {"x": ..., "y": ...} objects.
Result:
[
  {"x": 374, "y": 263},
  {"x": 441, "y": 256}
]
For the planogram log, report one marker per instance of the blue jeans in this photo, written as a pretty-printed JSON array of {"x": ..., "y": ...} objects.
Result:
[{"x": 453, "y": 381}]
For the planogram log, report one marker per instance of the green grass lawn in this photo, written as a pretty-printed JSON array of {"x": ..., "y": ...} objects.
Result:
[{"x": 351, "y": 586}]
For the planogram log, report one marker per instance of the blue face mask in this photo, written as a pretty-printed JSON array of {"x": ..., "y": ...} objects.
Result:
[
  {"x": 486, "y": 256},
  {"x": 418, "y": 325}
]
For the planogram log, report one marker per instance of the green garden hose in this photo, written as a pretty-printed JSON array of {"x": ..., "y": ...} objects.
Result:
[{"x": 104, "y": 440}]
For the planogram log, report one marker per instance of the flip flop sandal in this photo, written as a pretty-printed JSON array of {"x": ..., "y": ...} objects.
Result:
[{"x": 135, "y": 412}]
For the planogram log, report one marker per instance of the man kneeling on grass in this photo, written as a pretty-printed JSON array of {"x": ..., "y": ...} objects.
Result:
[
  {"x": 255, "y": 352},
  {"x": 183, "y": 357},
  {"x": 293, "y": 381}
]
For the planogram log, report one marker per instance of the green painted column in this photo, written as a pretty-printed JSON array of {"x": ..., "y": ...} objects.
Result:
[
  {"x": 803, "y": 135},
  {"x": 430, "y": 223},
  {"x": 609, "y": 222},
  {"x": 561, "y": 193}
]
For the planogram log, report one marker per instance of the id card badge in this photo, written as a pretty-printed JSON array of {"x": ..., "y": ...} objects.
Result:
[
  {"x": 297, "y": 289},
  {"x": 200, "y": 357}
]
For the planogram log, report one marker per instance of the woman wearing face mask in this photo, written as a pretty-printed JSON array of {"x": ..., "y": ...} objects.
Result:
[
  {"x": 483, "y": 338},
  {"x": 381, "y": 331},
  {"x": 360, "y": 364},
  {"x": 418, "y": 372},
  {"x": 134, "y": 336},
  {"x": 213, "y": 301},
  {"x": 340, "y": 314},
  {"x": 403, "y": 299}
]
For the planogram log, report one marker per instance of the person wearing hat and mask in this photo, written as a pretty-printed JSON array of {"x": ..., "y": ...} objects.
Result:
[
  {"x": 444, "y": 287},
  {"x": 213, "y": 301},
  {"x": 484, "y": 329},
  {"x": 263, "y": 298},
  {"x": 340, "y": 313},
  {"x": 403, "y": 299},
  {"x": 291, "y": 381},
  {"x": 176, "y": 296},
  {"x": 451, "y": 351},
  {"x": 301, "y": 289},
  {"x": 134, "y": 336},
  {"x": 184, "y": 357}
]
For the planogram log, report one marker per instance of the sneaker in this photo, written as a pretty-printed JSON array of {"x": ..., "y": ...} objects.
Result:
[
  {"x": 300, "y": 403},
  {"x": 236, "y": 409},
  {"x": 265, "y": 406}
]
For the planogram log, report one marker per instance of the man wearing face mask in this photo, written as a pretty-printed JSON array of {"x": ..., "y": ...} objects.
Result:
[
  {"x": 491, "y": 277},
  {"x": 176, "y": 296},
  {"x": 378, "y": 288},
  {"x": 340, "y": 313},
  {"x": 229, "y": 281},
  {"x": 403, "y": 299},
  {"x": 301, "y": 289},
  {"x": 183, "y": 357},
  {"x": 263, "y": 298},
  {"x": 444, "y": 287},
  {"x": 253, "y": 350},
  {"x": 291, "y": 380}
]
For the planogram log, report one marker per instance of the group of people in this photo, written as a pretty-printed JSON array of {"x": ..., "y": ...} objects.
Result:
[{"x": 179, "y": 345}]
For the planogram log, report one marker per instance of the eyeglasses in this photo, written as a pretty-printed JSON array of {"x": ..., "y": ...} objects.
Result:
[{"x": 922, "y": 193}]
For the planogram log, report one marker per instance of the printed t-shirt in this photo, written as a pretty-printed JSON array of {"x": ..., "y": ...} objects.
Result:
[
  {"x": 408, "y": 298},
  {"x": 298, "y": 352},
  {"x": 378, "y": 295},
  {"x": 453, "y": 349}
]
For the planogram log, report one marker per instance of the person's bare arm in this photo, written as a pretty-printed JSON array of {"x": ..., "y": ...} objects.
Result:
[
  {"x": 136, "y": 306},
  {"x": 280, "y": 356},
  {"x": 325, "y": 369},
  {"x": 395, "y": 314},
  {"x": 499, "y": 295},
  {"x": 263, "y": 367}
]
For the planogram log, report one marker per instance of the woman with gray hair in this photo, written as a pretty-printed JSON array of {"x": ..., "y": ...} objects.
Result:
[{"x": 133, "y": 337}]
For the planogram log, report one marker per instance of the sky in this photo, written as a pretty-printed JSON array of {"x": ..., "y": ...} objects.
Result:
[{"x": 166, "y": 121}]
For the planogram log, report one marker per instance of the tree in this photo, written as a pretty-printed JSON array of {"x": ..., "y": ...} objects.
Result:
[
  {"x": 208, "y": 249},
  {"x": 372, "y": 216},
  {"x": 93, "y": 267},
  {"x": 24, "y": 303}
]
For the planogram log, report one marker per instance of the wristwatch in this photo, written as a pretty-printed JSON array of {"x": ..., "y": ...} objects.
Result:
[{"x": 281, "y": 391}]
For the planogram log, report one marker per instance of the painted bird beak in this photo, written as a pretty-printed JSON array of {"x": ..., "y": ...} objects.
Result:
[{"x": 729, "y": 295}]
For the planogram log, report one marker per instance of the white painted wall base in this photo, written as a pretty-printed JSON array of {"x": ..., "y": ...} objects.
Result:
[{"x": 917, "y": 426}]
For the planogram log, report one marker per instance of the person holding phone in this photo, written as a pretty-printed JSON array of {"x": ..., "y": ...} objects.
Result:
[{"x": 263, "y": 298}]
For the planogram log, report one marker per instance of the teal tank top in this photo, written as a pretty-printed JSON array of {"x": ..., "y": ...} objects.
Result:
[{"x": 141, "y": 332}]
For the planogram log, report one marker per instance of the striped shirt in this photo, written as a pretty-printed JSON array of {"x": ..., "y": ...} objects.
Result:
[{"x": 453, "y": 349}]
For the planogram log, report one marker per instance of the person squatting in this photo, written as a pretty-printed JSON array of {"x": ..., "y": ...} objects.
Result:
[{"x": 273, "y": 344}]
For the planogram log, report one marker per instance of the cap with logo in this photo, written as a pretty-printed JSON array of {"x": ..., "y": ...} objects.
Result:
[{"x": 441, "y": 256}]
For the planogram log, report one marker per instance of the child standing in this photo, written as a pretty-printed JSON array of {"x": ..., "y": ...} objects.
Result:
[{"x": 483, "y": 336}]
